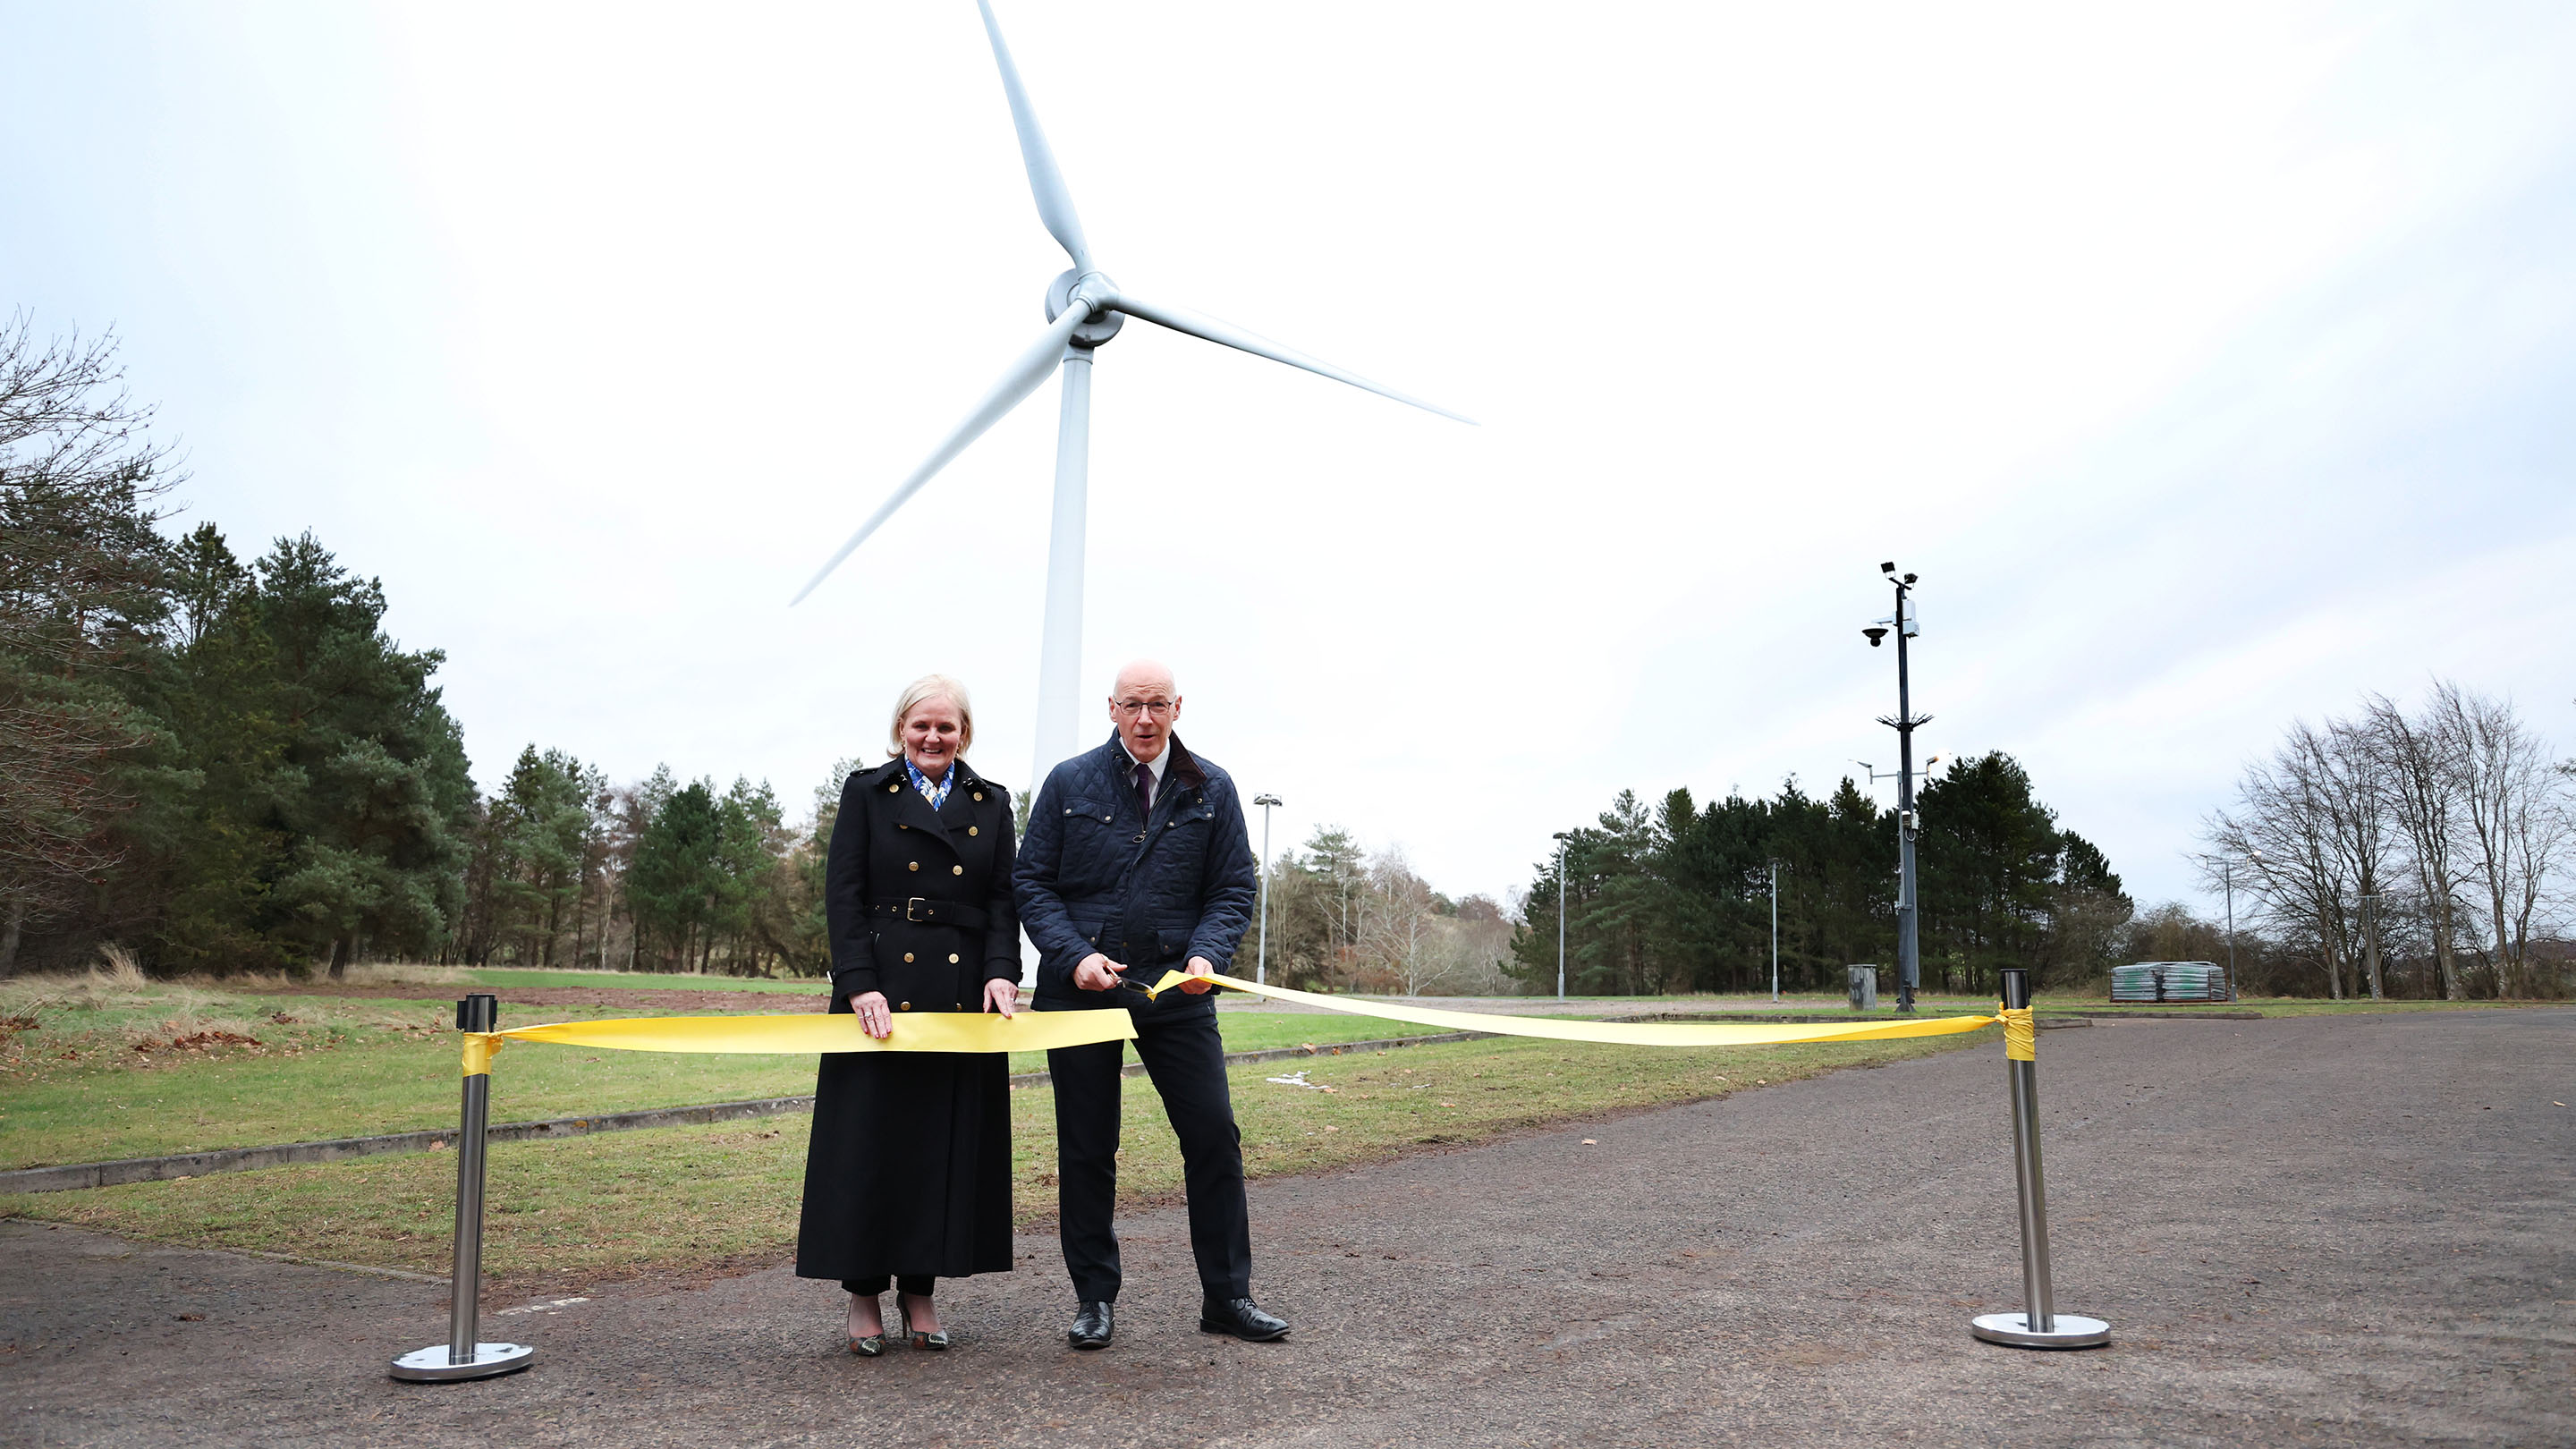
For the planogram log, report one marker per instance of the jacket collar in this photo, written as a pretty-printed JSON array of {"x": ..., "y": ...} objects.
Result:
[
  {"x": 893, "y": 770},
  {"x": 1184, "y": 767}
]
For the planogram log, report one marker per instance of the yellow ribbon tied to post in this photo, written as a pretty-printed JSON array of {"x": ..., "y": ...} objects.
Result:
[
  {"x": 814, "y": 1033},
  {"x": 967, "y": 1031},
  {"x": 2020, "y": 1036}
]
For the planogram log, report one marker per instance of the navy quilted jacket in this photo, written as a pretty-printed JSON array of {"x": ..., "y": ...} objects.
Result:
[{"x": 1092, "y": 875}]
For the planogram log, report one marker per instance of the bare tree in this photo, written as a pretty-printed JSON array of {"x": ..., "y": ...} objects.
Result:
[
  {"x": 1400, "y": 935},
  {"x": 2424, "y": 790},
  {"x": 2516, "y": 824},
  {"x": 2289, "y": 830},
  {"x": 2353, "y": 774}
]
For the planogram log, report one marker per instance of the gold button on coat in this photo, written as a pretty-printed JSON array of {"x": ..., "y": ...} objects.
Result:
[
  {"x": 979, "y": 794},
  {"x": 956, "y": 870},
  {"x": 907, "y": 955},
  {"x": 970, "y": 830},
  {"x": 890, "y": 789},
  {"x": 952, "y": 958},
  {"x": 907, "y": 1006},
  {"x": 916, "y": 865}
]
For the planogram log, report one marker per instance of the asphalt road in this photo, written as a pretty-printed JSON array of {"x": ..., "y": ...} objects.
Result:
[{"x": 2326, "y": 1231}]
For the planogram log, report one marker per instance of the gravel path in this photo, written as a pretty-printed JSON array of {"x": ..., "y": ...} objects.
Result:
[{"x": 2302, "y": 1231}]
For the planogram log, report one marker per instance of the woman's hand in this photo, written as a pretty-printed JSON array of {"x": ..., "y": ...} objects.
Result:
[
  {"x": 1002, "y": 996},
  {"x": 874, "y": 1019}
]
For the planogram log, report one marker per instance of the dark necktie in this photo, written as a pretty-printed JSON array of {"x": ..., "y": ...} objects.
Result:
[{"x": 1145, "y": 792}]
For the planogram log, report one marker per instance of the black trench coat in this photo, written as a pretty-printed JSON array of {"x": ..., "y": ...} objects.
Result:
[{"x": 909, "y": 1170}]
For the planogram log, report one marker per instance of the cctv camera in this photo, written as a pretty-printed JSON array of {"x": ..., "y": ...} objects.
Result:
[
  {"x": 1887, "y": 568},
  {"x": 1875, "y": 634}
]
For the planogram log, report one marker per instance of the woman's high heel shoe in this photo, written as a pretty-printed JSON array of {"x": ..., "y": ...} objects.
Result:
[
  {"x": 871, "y": 1345},
  {"x": 921, "y": 1338}
]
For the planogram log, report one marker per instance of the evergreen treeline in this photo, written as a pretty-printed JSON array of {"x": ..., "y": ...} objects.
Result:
[
  {"x": 661, "y": 876},
  {"x": 230, "y": 765},
  {"x": 232, "y": 762},
  {"x": 1677, "y": 896}
]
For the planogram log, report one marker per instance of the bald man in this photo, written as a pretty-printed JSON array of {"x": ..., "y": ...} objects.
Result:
[{"x": 1136, "y": 861}]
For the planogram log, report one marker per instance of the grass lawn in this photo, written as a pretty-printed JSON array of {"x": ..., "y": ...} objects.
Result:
[
  {"x": 677, "y": 1198},
  {"x": 261, "y": 1069},
  {"x": 97, "y": 1075}
]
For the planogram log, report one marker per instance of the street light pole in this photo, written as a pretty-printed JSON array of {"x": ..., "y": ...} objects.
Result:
[
  {"x": 1560, "y": 915},
  {"x": 1261, "y": 954},
  {"x": 1775, "y": 933},
  {"x": 2227, "y": 874},
  {"x": 2370, "y": 938},
  {"x": 1909, "y": 964}
]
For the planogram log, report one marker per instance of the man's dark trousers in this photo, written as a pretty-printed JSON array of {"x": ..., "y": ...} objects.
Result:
[{"x": 1176, "y": 1038}]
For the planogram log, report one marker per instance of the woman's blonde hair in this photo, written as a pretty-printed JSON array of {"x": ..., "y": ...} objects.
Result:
[{"x": 930, "y": 687}]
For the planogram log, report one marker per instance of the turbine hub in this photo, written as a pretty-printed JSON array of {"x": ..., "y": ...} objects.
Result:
[{"x": 1100, "y": 326}]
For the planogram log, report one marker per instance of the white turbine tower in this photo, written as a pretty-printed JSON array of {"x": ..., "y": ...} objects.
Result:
[{"x": 1084, "y": 309}]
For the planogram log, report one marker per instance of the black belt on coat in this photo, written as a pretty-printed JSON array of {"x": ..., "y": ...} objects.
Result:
[{"x": 930, "y": 912}]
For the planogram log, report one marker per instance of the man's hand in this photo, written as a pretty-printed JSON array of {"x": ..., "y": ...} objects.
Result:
[
  {"x": 1097, "y": 973},
  {"x": 1002, "y": 996},
  {"x": 1199, "y": 969}
]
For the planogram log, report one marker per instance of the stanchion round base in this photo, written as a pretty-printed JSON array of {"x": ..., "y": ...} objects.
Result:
[
  {"x": 430, "y": 1365},
  {"x": 2072, "y": 1330}
]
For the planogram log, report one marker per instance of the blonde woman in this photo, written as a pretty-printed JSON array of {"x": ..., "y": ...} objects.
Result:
[{"x": 909, "y": 1174}]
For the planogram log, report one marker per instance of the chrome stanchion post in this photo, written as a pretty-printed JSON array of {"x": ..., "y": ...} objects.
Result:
[
  {"x": 462, "y": 1357},
  {"x": 2039, "y": 1324}
]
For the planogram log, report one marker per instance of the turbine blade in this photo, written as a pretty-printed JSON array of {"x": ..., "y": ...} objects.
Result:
[
  {"x": 1018, "y": 383},
  {"x": 1182, "y": 320},
  {"x": 1055, "y": 204}
]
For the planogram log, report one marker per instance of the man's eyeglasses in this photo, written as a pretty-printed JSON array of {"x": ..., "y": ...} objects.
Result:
[{"x": 1130, "y": 708}]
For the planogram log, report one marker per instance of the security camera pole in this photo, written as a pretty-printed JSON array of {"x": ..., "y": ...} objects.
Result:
[{"x": 1909, "y": 961}]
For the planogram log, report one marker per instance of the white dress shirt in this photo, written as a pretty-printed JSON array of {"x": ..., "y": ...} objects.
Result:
[{"x": 1153, "y": 791}]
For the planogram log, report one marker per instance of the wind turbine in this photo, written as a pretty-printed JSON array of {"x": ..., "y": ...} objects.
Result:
[{"x": 1084, "y": 309}]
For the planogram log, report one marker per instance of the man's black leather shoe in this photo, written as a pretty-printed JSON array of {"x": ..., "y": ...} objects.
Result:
[
  {"x": 1243, "y": 1318},
  {"x": 1091, "y": 1326}
]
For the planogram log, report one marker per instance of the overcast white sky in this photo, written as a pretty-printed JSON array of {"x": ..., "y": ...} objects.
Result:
[{"x": 2212, "y": 364}]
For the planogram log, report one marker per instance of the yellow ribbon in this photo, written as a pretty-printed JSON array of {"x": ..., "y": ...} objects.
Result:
[
  {"x": 914, "y": 1031},
  {"x": 1648, "y": 1033},
  {"x": 2021, "y": 1037}
]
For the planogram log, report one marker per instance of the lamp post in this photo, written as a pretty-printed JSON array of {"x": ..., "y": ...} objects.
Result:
[
  {"x": 2227, "y": 882},
  {"x": 1261, "y": 953},
  {"x": 1560, "y": 915},
  {"x": 2370, "y": 939},
  {"x": 1775, "y": 933},
  {"x": 2227, "y": 877},
  {"x": 1909, "y": 965}
]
